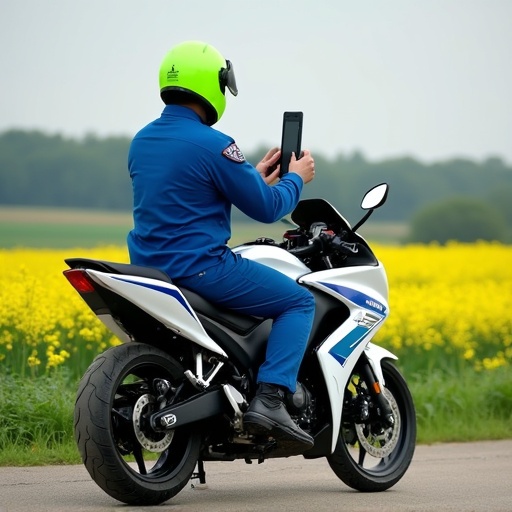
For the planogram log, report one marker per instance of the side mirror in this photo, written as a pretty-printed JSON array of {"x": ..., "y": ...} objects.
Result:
[{"x": 375, "y": 197}]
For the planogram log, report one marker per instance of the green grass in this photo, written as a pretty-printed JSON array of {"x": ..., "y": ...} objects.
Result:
[
  {"x": 36, "y": 415},
  {"x": 52, "y": 228},
  {"x": 36, "y": 425},
  {"x": 61, "y": 236},
  {"x": 462, "y": 405}
]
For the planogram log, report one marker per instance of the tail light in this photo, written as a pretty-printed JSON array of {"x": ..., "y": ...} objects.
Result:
[{"x": 79, "y": 280}]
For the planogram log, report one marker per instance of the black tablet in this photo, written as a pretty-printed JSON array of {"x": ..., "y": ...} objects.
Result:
[{"x": 291, "y": 139}]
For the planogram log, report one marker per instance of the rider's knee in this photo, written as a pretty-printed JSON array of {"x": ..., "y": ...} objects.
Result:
[{"x": 305, "y": 301}]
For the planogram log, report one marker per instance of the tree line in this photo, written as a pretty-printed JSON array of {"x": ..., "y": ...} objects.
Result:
[{"x": 39, "y": 169}]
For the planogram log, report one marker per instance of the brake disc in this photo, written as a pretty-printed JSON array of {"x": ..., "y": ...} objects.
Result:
[
  {"x": 382, "y": 444},
  {"x": 152, "y": 444}
]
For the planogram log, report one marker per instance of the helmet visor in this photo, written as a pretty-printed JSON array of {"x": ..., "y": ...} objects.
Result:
[{"x": 227, "y": 79}]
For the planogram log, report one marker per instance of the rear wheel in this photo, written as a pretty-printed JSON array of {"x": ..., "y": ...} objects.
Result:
[
  {"x": 371, "y": 455},
  {"x": 123, "y": 454}
]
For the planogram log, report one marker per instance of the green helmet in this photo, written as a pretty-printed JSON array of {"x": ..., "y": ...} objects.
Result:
[{"x": 196, "y": 71}]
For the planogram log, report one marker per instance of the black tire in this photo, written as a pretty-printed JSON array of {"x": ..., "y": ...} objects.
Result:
[
  {"x": 119, "y": 382},
  {"x": 367, "y": 472}
]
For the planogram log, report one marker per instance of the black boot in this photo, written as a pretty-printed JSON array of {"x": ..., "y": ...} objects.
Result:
[{"x": 267, "y": 416}]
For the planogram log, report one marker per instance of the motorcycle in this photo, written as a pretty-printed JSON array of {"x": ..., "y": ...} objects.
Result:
[{"x": 151, "y": 410}]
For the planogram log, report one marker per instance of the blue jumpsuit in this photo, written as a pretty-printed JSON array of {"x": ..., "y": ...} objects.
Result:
[{"x": 185, "y": 176}]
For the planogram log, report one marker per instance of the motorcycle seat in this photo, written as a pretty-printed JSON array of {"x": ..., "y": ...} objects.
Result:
[{"x": 119, "y": 268}]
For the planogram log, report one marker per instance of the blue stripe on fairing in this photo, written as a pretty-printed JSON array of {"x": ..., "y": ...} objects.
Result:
[
  {"x": 342, "y": 350},
  {"x": 361, "y": 299},
  {"x": 163, "y": 289}
]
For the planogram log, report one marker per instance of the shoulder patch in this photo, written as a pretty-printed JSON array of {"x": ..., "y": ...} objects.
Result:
[{"x": 234, "y": 153}]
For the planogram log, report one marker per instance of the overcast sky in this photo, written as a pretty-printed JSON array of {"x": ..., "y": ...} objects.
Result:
[{"x": 430, "y": 79}]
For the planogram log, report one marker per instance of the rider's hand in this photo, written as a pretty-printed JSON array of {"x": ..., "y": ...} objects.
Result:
[
  {"x": 305, "y": 167},
  {"x": 268, "y": 167}
]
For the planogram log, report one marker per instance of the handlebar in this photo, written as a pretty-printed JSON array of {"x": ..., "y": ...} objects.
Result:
[
  {"x": 308, "y": 250},
  {"x": 322, "y": 242}
]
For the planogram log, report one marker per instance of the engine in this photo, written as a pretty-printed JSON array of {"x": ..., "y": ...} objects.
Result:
[{"x": 301, "y": 406}]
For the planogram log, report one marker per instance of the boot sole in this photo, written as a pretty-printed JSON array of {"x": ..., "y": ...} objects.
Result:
[{"x": 287, "y": 441}]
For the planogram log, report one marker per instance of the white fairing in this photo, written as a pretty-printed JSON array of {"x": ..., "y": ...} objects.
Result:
[
  {"x": 364, "y": 290},
  {"x": 161, "y": 300}
]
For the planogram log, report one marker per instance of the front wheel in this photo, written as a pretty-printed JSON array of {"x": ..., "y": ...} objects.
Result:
[
  {"x": 371, "y": 456},
  {"x": 123, "y": 454}
]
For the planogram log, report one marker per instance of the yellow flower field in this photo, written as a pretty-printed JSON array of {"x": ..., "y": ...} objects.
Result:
[
  {"x": 449, "y": 304},
  {"x": 44, "y": 323},
  {"x": 450, "y": 307}
]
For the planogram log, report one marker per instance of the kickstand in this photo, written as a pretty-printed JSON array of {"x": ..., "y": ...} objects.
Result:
[{"x": 200, "y": 475}]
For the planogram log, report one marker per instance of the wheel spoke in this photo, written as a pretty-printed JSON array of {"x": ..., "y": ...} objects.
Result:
[
  {"x": 132, "y": 389},
  {"x": 362, "y": 455},
  {"x": 139, "y": 458}
]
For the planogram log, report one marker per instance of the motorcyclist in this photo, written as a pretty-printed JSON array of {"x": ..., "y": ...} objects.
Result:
[{"x": 185, "y": 176}]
